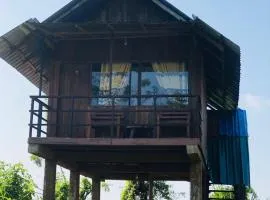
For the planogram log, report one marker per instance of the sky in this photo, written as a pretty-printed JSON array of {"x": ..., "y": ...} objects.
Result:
[{"x": 245, "y": 22}]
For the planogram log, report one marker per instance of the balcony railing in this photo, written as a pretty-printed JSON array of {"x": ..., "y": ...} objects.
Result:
[{"x": 79, "y": 117}]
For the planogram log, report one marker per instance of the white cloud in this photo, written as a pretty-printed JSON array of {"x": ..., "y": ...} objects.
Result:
[{"x": 250, "y": 101}]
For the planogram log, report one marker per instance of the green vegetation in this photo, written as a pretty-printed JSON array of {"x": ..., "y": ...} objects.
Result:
[
  {"x": 15, "y": 182},
  {"x": 139, "y": 189},
  {"x": 251, "y": 194},
  {"x": 62, "y": 183},
  {"x": 62, "y": 188}
]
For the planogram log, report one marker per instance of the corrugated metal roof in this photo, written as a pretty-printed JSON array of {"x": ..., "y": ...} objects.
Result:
[
  {"x": 222, "y": 93},
  {"x": 228, "y": 152},
  {"x": 75, "y": 4},
  {"x": 227, "y": 123},
  {"x": 228, "y": 159},
  {"x": 16, "y": 50}
]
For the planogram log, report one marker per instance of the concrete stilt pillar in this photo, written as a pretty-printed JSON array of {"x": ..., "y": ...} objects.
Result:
[
  {"x": 95, "y": 188},
  {"x": 151, "y": 197},
  {"x": 74, "y": 185},
  {"x": 196, "y": 175},
  {"x": 49, "y": 180}
]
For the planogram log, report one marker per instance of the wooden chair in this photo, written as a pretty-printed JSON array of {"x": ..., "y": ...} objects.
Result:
[
  {"x": 173, "y": 119},
  {"x": 105, "y": 118}
]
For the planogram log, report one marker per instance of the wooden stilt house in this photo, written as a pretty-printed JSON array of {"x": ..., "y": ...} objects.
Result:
[{"x": 125, "y": 90}]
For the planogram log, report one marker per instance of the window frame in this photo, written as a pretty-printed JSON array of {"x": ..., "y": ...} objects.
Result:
[{"x": 139, "y": 80}]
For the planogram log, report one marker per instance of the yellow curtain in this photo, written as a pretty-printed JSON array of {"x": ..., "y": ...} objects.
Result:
[
  {"x": 171, "y": 75},
  {"x": 169, "y": 67},
  {"x": 105, "y": 78},
  {"x": 120, "y": 76}
]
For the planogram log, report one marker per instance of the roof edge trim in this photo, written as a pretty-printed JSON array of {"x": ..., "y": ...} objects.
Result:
[
  {"x": 66, "y": 10},
  {"x": 168, "y": 10}
]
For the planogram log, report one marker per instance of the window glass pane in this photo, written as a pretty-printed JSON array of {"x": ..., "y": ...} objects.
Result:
[
  {"x": 172, "y": 80},
  {"x": 153, "y": 79},
  {"x": 120, "y": 82},
  {"x": 134, "y": 79},
  {"x": 120, "y": 79},
  {"x": 100, "y": 84},
  {"x": 149, "y": 83}
]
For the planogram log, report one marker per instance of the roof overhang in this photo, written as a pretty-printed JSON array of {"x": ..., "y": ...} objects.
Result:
[
  {"x": 28, "y": 46},
  {"x": 75, "y": 4},
  {"x": 22, "y": 49}
]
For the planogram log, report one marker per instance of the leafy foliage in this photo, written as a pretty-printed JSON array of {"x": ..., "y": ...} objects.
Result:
[
  {"x": 251, "y": 194},
  {"x": 15, "y": 182},
  {"x": 86, "y": 188},
  {"x": 61, "y": 187},
  {"x": 133, "y": 189},
  {"x": 129, "y": 191},
  {"x": 36, "y": 160},
  {"x": 161, "y": 190},
  {"x": 62, "y": 183}
]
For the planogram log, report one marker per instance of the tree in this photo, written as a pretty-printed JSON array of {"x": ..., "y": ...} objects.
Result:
[
  {"x": 62, "y": 187},
  {"x": 62, "y": 183},
  {"x": 36, "y": 160},
  {"x": 129, "y": 191},
  {"x": 251, "y": 194},
  {"x": 15, "y": 182},
  {"x": 139, "y": 189}
]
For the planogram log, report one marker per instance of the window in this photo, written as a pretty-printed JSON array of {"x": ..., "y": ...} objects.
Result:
[{"x": 137, "y": 83}]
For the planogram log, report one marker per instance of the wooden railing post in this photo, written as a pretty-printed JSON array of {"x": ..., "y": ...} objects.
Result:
[
  {"x": 40, "y": 107},
  {"x": 72, "y": 116},
  {"x": 156, "y": 129},
  {"x": 31, "y": 118},
  {"x": 113, "y": 117}
]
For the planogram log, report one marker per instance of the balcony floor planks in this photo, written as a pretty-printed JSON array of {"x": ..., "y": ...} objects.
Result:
[
  {"x": 115, "y": 141},
  {"x": 119, "y": 159}
]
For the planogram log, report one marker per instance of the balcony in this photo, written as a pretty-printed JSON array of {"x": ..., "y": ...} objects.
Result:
[
  {"x": 115, "y": 140},
  {"x": 77, "y": 117}
]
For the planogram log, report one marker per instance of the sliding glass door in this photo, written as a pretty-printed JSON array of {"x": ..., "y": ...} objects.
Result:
[{"x": 133, "y": 84}]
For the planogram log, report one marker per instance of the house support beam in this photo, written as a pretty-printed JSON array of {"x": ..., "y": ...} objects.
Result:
[
  {"x": 95, "y": 188},
  {"x": 240, "y": 192},
  {"x": 196, "y": 174},
  {"x": 74, "y": 185},
  {"x": 49, "y": 180},
  {"x": 151, "y": 197}
]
